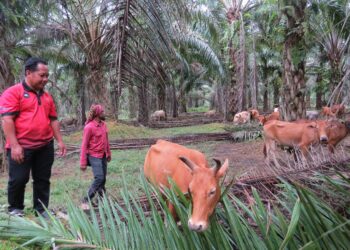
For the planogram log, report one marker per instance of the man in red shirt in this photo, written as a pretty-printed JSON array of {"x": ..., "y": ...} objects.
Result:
[
  {"x": 95, "y": 151},
  {"x": 29, "y": 121}
]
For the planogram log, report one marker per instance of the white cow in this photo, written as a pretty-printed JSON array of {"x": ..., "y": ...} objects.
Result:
[
  {"x": 242, "y": 117},
  {"x": 158, "y": 115}
]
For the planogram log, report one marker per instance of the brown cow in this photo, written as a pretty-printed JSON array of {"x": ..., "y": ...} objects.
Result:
[
  {"x": 68, "y": 121},
  {"x": 299, "y": 134},
  {"x": 271, "y": 117},
  {"x": 210, "y": 113},
  {"x": 337, "y": 132},
  {"x": 254, "y": 114},
  {"x": 327, "y": 112},
  {"x": 190, "y": 170},
  {"x": 338, "y": 110}
]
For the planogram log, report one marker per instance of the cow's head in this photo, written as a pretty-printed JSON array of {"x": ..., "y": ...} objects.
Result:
[
  {"x": 347, "y": 125},
  {"x": 205, "y": 192},
  {"x": 254, "y": 113},
  {"x": 237, "y": 118},
  {"x": 262, "y": 120},
  {"x": 323, "y": 128}
]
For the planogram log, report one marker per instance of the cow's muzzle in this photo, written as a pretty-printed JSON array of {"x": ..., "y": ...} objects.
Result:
[
  {"x": 198, "y": 226},
  {"x": 324, "y": 139}
]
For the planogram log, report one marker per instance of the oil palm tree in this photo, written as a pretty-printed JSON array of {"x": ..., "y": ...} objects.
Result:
[
  {"x": 330, "y": 29},
  {"x": 294, "y": 53}
]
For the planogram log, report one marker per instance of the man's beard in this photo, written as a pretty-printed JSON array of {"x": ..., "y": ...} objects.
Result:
[{"x": 102, "y": 117}]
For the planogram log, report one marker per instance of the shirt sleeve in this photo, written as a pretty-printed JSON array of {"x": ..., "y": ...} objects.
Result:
[
  {"x": 84, "y": 146},
  {"x": 53, "y": 112},
  {"x": 108, "y": 146},
  {"x": 10, "y": 102}
]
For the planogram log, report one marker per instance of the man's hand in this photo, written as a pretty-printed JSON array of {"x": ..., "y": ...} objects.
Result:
[
  {"x": 82, "y": 167},
  {"x": 17, "y": 153},
  {"x": 62, "y": 148},
  {"x": 109, "y": 158}
]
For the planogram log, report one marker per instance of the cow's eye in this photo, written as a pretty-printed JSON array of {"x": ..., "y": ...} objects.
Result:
[{"x": 212, "y": 192}]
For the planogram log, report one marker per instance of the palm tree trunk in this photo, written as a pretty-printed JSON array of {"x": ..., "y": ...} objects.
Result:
[
  {"x": 293, "y": 91},
  {"x": 174, "y": 101},
  {"x": 161, "y": 97},
  {"x": 234, "y": 90},
  {"x": 266, "y": 97},
  {"x": 294, "y": 88},
  {"x": 80, "y": 92},
  {"x": 254, "y": 82},
  {"x": 131, "y": 101},
  {"x": 242, "y": 66},
  {"x": 143, "y": 103},
  {"x": 276, "y": 95}
]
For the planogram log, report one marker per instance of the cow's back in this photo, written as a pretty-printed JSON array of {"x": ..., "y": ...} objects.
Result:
[
  {"x": 162, "y": 161},
  {"x": 288, "y": 133}
]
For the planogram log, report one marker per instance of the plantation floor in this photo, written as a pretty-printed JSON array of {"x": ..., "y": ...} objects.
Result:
[{"x": 246, "y": 161}]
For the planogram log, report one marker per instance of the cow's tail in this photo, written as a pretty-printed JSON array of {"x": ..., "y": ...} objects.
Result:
[{"x": 264, "y": 150}]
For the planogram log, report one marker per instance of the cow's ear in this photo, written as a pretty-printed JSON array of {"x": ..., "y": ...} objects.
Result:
[
  {"x": 190, "y": 164},
  {"x": 222, "y": 170},
  {"x": 313, "y": 125},
  {"x": 217, "y": 163}
]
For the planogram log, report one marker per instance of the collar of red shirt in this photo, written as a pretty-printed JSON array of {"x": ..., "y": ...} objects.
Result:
[
  {"x": 96, "y": 123},
  {"x": 27, "y": 88}
]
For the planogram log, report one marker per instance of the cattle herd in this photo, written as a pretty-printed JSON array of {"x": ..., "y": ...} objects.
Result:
[
  {"x": 190, "y": 171},
  {"x": 300, "y": 134}
]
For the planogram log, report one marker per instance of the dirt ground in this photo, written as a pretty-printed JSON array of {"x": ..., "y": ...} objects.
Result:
[{"x": 246, "y": 159}]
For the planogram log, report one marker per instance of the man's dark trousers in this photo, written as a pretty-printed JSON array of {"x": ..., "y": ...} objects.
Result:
[{"x": 39, "y": 161}]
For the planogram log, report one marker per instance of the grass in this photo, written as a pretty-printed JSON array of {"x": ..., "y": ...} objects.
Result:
[
  {"x": 122, "y": 131},
  {"x": 69, "y": 181},
  {"x": 295, "y": 218}
]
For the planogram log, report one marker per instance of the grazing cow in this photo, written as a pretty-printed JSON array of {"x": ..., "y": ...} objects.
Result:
[
  {"x": 300, "y": 134},
  {"x": 327, "y": 112},
  {"x": 338, "y": 110},
  {"x": 210, "y": 113},
  {"x": 271, "y": 117},
  {"x": 68, "y": 121},
  {"x": 242, "y": 117},
  {"x": 312, "y": 115},
  {"x": 158, "y": 115},
  {"x": 190, "y": 170},
  {"x": 337, "y": 132},
  {"x": 254, "y": 114}
]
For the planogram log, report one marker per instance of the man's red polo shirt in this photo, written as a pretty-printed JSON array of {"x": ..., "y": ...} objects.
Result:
[{"x": 33, "y": 114}]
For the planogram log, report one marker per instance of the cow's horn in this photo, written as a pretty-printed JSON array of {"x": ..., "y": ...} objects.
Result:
[
  {"x": 188, "y": 162},
  {"x": 218, "y": 163}
]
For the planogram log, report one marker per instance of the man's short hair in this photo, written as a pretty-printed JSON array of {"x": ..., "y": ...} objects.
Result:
[{"x": 32, "y": 63}]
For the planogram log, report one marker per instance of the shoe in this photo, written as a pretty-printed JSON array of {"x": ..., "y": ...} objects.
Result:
[
  {"x": 16, "y": 212},
  {"x": 46, "y": 215},
  {"x": 85, "y": 206}
]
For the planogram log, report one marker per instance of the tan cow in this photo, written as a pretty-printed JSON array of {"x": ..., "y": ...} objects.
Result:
[
  {"x": 210, "y": 113},
  {"x": 241, "y": 118},
  {"x": 254, "y": 114},
  {"x": 271, "y": 117},
  {"x": 327, "y": 112},
  {"x": 158, "y": 115},
  {"x": 337, "y": 132},
  {"x": 68, "y": 121},
  {"x": 338, "y": 110},
  {"x": 190, "y": 170},
  {"x": 294, "y": 134}
]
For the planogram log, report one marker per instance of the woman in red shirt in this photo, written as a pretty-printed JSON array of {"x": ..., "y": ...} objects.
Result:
[{"x": 95, "y": 151}]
